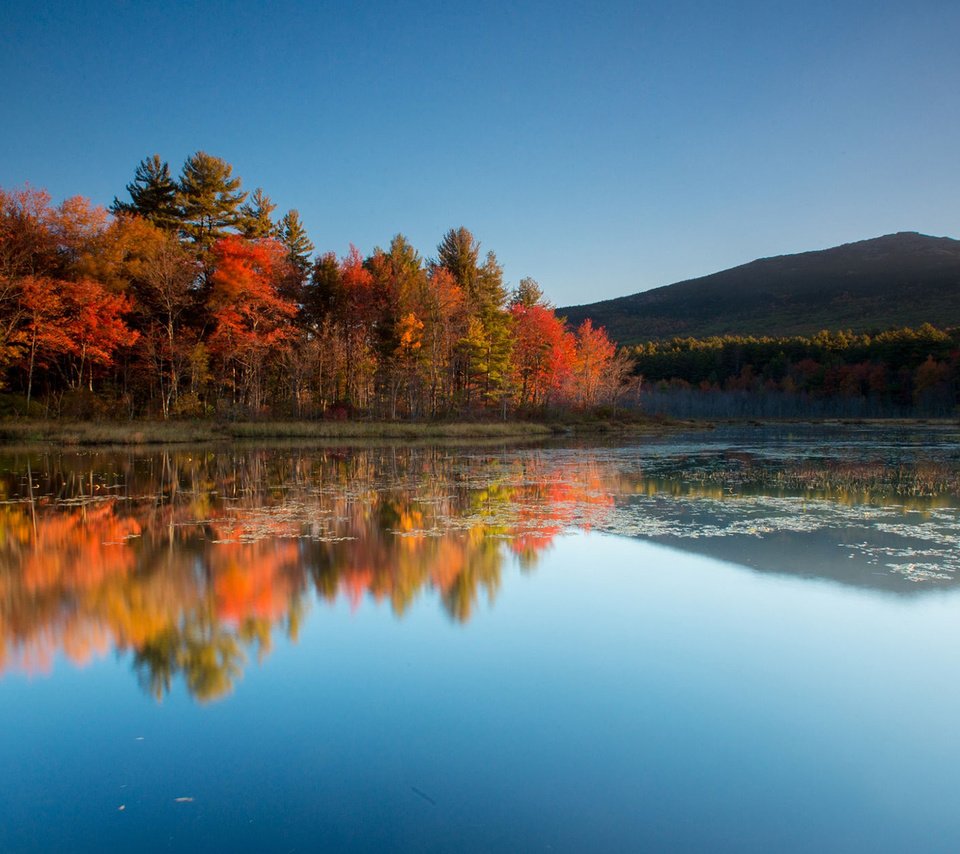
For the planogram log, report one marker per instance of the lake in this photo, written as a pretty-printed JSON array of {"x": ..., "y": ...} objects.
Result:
[{"x": 738, "y": 639}]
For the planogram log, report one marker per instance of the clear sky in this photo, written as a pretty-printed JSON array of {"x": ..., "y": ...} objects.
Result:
[{"x": 600, "y": 148}]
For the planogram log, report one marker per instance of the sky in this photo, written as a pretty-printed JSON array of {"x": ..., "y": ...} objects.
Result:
[{"x": 602, "y": 149}]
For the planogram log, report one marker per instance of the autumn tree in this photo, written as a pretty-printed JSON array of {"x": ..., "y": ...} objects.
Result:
[
  {"x": 594, "y": 355},
  {"x": 28, "y": 249},
  {"x": 81, "y": 231},
  {"x": 95, "y": 327},
  {"x": 164, "y": 287},
  {"x": 408, "y": 358},
  {"x": 400, "y": 284},
  {"x": 357, "y": 307},
  {"x": 44, "y": 329},
  {"x": 544, "y": 354},
  {"x": 251, "y": 318},
  {"x": 446, "y": 316},
  {"x": 114, "y": 252}
]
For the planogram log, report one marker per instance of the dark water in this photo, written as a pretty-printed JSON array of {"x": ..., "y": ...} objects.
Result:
[{"x": 740, "y": 640}]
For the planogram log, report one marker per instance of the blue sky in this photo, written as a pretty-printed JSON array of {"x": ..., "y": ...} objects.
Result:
[{"x": 602, "y": 149}]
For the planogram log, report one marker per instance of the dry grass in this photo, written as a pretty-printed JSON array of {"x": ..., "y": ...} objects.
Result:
[
  {"x": 22, "y": 432},
  {"x": 381, "y": 430},
  {"x": 105, "y": 433}
]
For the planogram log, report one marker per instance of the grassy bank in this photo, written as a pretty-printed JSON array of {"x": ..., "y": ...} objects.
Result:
[
  {"x": 381, "y": 430},
  {"x": 179, "y": 432},
  {"x": 33, "y": 431}
]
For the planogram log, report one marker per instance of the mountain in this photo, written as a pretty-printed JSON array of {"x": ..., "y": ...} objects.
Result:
[{"x": 903, "y": 279}]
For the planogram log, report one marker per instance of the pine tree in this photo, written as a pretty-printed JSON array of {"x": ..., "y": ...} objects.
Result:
[
  {"x": 400, "y": 284},
  {"x": 490, "y": 297},
  {"x": 528, "y": 294},
  {"x": 489, "y": 293},
  {"x": 209, "y": 198},
  {"x": 459, "y": 253},
  {"x": 293, "y": 235},
  {"x": 488, "y": 350},
  {"x": 401, "y": 275},
  {"x": 152, "y": 194},
  {"x": 255, "y": 217},
  {"x": 321, "y": 294}
]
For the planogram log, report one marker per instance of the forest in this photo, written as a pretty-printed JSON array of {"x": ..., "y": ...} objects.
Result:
[
  {"x": 190, "y": 297},
  {"x": 897, "y": 372}
]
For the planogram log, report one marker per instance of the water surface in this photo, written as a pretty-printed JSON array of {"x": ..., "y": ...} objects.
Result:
[{"x": 738, "y": 639}]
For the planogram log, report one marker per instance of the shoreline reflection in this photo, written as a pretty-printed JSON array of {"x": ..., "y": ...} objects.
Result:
[{"x": 194, "y": 563}]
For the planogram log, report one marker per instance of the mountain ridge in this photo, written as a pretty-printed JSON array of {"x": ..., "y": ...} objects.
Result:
[{"x": 900, "y": 279}]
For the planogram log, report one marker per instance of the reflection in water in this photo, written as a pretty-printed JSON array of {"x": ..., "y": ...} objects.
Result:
[{"x": 192, "y": 562}]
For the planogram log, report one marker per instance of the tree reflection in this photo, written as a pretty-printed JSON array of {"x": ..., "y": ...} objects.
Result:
[
  {"x": 192, "y": 562},
  {"x": 206, "y": 652}
]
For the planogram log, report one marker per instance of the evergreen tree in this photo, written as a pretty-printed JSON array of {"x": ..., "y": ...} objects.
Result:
[
  {"x": 324, "y": 289},
  {"x": 488, "y": 350},
  {"x": 528, "y": 294},
  {"x": 294, "y": 236},
  {"x": 459, "y": 253},
  {"x": 407, "y": 276},
  {"x": 152, "y": 194},
  {"x": 490, "y": 294},
  {"x": 209, "y": 198},
  {"x": 490, "y": 297},
  {"x": 256, "y": 220},
  {"x": 401, "y": 283}
]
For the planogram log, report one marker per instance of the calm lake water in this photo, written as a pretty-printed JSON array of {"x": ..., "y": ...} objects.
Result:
[{"x": 737, "y": 640}]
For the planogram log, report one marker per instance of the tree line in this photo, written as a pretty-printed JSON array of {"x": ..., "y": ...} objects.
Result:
[
  {"x": 894, "y": 372},
  {"x": 190, "y": 297}
]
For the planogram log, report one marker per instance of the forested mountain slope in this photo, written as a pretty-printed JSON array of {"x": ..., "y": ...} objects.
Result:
[{"x": 902, "y": 279}]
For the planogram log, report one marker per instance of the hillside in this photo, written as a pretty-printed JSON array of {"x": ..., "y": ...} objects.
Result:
[{"x": 902, "y": 279}]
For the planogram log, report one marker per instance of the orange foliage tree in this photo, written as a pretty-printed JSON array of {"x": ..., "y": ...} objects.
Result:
[
  {"x": 594, "y": 355},
  {"x": 250, "y": 316},
  {"x": 543, "y": 355},
  {"x": 95, "y": 329}
]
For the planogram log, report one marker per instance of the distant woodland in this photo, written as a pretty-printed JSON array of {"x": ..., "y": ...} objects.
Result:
[
  {"x": 190, "y": 297},
  {"x": 900, "y": 372}
]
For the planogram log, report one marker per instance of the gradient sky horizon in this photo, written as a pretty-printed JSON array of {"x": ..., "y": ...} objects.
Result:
[{"x": 601, "y": 150}]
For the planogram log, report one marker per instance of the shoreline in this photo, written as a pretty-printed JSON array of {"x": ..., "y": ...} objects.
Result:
[{"x": 21, "y": 432}]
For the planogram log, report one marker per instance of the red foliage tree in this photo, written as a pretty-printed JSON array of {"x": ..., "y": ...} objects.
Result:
[
  {"x": 93, "y": 322},
  {"x": 44, "y": 334},
  {"x": 543, "y": 354},
  {"x": 595, "y": 354},
  {"x": 251, "y": 318}
]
